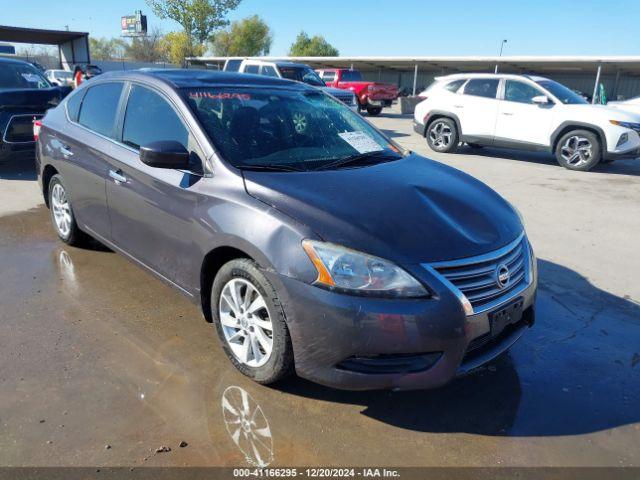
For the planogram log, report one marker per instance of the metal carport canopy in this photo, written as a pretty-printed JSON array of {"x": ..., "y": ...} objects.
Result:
[
  {"x": 73, "y": 47},
  {"x": 628, "y": 64},
  {"x": 36, "y": 35}
]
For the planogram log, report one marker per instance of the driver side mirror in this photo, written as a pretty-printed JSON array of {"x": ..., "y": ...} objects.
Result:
[
  {"x": 165, "y": 154},
  {"x": 540, "y": 100}
]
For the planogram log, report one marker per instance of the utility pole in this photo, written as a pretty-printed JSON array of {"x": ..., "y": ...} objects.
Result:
[{"x": 501, "y": 47}]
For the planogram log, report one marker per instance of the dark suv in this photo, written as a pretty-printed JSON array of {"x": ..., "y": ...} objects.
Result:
[
  {"x": 25, "y": 95},
  {"x": 310, "y": 240}
]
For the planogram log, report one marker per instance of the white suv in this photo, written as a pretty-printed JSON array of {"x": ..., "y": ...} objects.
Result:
[{"x": 525, "y": 112}]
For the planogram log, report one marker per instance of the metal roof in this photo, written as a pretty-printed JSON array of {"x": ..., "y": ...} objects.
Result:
[
  {"x": 36, "y": 35},
  {"x": 522, "y": 63}
]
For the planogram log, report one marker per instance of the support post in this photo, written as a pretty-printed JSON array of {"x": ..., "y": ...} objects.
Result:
[
  {"x": 614, "y": 94},
  {"x": 595, "y": 87},
  {"x": 415, "y": 80}
]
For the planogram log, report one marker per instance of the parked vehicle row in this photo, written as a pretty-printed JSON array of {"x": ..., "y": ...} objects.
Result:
[
  {"x": 525, "y": 112},
  {"x": 290, "y": 71},
  {"x": 312, "y": 241}
]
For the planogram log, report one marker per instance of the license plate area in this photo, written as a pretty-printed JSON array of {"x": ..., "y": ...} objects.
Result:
[{"x": 506, "y": 315}]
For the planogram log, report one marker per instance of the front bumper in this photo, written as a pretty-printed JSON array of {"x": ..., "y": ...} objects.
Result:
[
  {"x": 418, "y": 128},
  {"x": 331, "y": 332}
]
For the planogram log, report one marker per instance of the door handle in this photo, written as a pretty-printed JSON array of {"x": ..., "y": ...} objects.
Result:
[
  {"x": 117, "y": 176},
  {"x": 66, "y": 151}
]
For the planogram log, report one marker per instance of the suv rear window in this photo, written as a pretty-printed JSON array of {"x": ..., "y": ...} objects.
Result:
[
  {"x": 482, "y": 87},
  {"x": 99, "y": 108}
]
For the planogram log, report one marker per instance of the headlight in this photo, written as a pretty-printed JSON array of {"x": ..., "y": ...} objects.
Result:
[
  {"x": 631, "y": 125},
  {"x": 355, "y": 272}
]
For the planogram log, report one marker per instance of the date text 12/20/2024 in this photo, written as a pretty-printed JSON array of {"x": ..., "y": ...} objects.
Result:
[{"x": 316, "y": 472}]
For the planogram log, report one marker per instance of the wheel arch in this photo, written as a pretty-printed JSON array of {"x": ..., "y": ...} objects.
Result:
[
  {"x": 567, "y": 127},
  {"x": 435, "y": 114},
  {"x": 47, "y": 174},
  {"x": 211, "y": 265}
]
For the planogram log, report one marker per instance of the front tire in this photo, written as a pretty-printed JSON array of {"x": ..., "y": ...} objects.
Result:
[
  {"x": 579, "y": 150},
  {"x": 62, "y": 217},
  {"x": 442, "y": 135},
  {"x": 250, "y": 322},
  {"x": 374, "y": 111}
]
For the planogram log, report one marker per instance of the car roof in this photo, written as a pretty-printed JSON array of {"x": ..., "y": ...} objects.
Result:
[
  {"x": 277, "y": 62},
  {"x": 13, "y": 60},
  {"x": 183, "y": 78},
  {"x": 513, "y": 76}
]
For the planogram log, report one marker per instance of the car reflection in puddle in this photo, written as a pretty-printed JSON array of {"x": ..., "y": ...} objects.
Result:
[{"x": 247, "y": 426}]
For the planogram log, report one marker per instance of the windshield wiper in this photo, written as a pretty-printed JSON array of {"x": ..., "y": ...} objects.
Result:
[
  {"x": 351, "y": 159},
  {"x": 272, "y": 168}
]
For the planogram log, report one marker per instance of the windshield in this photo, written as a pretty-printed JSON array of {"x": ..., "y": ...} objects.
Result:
[
  {"x": 18, "y": 75},
  {"x": 301, "y": 130},
  {"x": 562, "y": 93},
  {"x": 302, "y": 74}
]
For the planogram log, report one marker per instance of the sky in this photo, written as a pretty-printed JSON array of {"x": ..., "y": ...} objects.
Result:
[{"x": 386, "y": 27}]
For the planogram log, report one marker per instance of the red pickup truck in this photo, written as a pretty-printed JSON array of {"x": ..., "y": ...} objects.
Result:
[{"x": 371, "y": 96}]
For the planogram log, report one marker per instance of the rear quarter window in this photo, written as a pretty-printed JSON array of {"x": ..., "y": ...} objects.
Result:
[
  {"x": 454, "y": 86},
  {"x": 73, "y": 105}
]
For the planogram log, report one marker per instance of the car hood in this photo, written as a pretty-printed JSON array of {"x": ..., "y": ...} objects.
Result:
[
  {"x": 603, "y": 112},
  {"x": 412, "y": 210}
]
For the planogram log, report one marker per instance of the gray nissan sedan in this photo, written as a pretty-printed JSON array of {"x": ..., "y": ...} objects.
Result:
[{"x": 313, "y": 243}]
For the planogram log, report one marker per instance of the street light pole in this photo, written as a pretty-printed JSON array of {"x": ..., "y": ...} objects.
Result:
[{"x": 501, "y": 47}]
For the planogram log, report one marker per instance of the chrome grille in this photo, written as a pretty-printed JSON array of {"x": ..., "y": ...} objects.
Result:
[
  {"x": 478, "y": 278},
  {"x": 348, "y": 99}
]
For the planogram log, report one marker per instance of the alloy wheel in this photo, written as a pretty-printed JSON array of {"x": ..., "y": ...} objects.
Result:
[
  {"x": 577, "y": 151},
  {"x": 61, "y": 210},
  {"x": 246, "y": 323},
  {"x": 440, "y": 135}
]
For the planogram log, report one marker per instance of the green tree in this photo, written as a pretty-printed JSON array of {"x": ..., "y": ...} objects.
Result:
[
  {"x": 312, "y": 47},
  {"x": 148, "y": 48},
  {"x": 199, "y": 18},
  {"x": 178, "y": 45},
  {"x": 249, "y": 37},
  {"x": 107, "y": 48}
]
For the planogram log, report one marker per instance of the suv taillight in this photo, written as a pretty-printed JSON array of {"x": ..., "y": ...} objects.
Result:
[{"x": 37, "y": 126}]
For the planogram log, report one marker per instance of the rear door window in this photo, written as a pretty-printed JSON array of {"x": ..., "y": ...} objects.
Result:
[
  {"x": 100, "y": 107},
  {"x": 482, "y": 87},
  {"x": 150, "y": 118}
]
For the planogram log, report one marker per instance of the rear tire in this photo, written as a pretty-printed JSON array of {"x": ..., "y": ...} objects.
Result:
[
  {"x": 374, "y": 111},
  {"x": 62, "y": 217},
  {"x": 251, "y": 323},
  {"x": 442, "y": 135},
  {"x": 579, "y": 150}
]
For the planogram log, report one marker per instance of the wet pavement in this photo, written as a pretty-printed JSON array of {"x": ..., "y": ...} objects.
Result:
[{"x": 102, "y": 364}]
